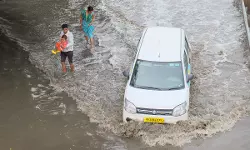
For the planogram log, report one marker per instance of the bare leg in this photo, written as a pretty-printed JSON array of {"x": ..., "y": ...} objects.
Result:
[
  {"x": 92, "y": 43},
  {"x": 64, "y": 67},
  {"x": 72, "y": 67},
  {"x": 87, "y": 39}
]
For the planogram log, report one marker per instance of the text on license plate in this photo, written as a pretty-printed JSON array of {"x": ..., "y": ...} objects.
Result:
[{"x": 153, "y": 120}]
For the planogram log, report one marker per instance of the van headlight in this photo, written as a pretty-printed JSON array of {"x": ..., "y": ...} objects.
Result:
[
  {"x": 129, "y": 107},
  {"x": 180, "y": 109}
]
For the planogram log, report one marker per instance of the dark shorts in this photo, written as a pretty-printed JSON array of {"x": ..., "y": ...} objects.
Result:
[{"x": 64, "y": 55}]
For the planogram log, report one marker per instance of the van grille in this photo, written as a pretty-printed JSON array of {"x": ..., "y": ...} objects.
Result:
[{"x": 167, "y": 112}]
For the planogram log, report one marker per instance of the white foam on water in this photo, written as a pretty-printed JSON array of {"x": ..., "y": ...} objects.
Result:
[
  {"x": 37, "y": 107},
  {"x": 40, "y": 85},
  {"x": 38, "y": 95},
  {"x": 54, "y": 113},
  {"x": 47, "y": 100},
  {"x": 33, "y": 89},
  {"x": 114, "y": 143},
  {"x": 89, "y": 134},
  {"x": 63, "y": 106},
  {"x": 28, "y": 76}
]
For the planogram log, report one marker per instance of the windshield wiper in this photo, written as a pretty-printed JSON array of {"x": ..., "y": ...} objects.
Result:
[
  {"x": 174, "y": 88},
  {"x": 149, "y": 88}
]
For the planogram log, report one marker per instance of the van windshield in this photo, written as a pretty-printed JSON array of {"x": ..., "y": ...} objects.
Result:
[{"x": 158, "y": 75}]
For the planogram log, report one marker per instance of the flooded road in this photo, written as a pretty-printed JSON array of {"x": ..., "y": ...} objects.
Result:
[
  {"x": 35, "y": 116},
  {"x": 238, "y": 138},
  {"x": 87, "y": 107},
  {"x": 29, "y": 123}
]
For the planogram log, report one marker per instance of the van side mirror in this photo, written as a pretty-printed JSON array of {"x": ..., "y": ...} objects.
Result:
[
  {"x": 190, "y": 77},
  {"x": 126, "y": 74}
]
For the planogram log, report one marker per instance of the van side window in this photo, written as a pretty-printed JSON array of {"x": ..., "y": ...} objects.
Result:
[{"x": 186, "y": 63}]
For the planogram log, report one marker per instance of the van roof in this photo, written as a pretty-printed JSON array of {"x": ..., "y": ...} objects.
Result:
[{"x": 161, "y": 44}]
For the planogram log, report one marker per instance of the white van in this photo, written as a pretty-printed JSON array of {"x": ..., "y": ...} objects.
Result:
[{"x": 158, "y": 84}]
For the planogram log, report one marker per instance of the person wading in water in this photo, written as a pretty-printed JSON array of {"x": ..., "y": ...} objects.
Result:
[
  {"x": 86, "y": 19},
  {"x": 68, "y": 51}
]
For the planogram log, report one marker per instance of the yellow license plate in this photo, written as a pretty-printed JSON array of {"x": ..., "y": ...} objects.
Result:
[{"x": 153, "y": 120}]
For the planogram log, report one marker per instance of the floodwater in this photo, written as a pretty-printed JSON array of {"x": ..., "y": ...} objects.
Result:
[
  {"x": 43, "y": 110},
  {"x": 51, "y": 121}
]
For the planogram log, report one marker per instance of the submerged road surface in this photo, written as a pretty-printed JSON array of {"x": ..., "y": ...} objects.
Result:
[{"x": 41, "y": 109}]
